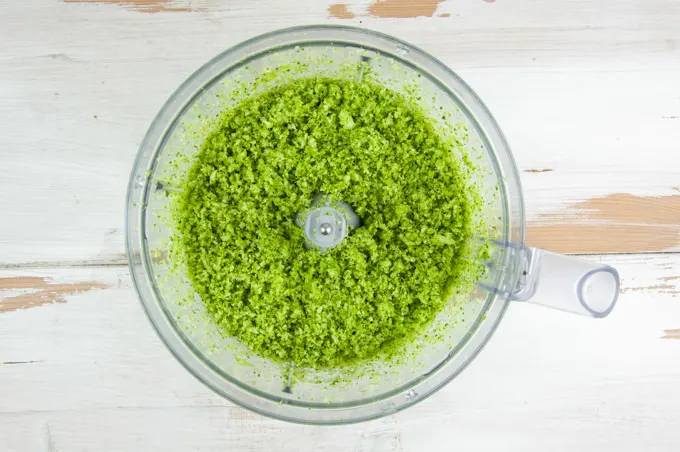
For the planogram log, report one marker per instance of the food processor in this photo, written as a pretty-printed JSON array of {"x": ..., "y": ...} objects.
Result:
[{"x": 374, "y": 387}]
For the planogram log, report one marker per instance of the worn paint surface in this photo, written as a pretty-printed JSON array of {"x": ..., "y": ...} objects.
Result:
[
  {"x": 661, "y": 287},
  {"x": 40, "y": 291},
  {"x": 391, "y": 9},
  {"x": 627, "y": 208},
  {"x": 145, "y": 6},
  {"x": 616, "y": 223},
  {"x": 340, "y": 11},
  {"x": 671, "y": 334},
  {"x": 404, "y": 8}
]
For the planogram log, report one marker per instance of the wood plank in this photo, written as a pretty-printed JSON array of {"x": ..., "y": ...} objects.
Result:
[
  {"x": 72, "y": 128},
  {"x": 586, "y": 89},
  {"x": 91, "y": 371}
]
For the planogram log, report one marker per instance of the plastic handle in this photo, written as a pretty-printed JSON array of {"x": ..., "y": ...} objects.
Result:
[{"x": 567, "y": 283}]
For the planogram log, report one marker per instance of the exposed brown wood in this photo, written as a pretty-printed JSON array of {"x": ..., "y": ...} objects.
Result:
[
  {"x": 404, "y": 8},
  {"x": 619, "y": 223},
  {"x": 386, "y": 8},
  {"x": 23, "y": 282},
  {"x": 671, "y": 334},
  {"x": 584, "y": 238},
  {"x": 340, "y": 11},
  {"x": 144, "y": 6},
  {"x": 41, "y": 291},
  {"x": 627, "y": 208}
]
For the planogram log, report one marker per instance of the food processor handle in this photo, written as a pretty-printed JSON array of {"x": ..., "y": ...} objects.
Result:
[{"x": 567, "y": 283}]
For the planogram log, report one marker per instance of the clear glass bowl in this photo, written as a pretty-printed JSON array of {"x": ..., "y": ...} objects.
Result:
[{"x": 368, "y": 390}]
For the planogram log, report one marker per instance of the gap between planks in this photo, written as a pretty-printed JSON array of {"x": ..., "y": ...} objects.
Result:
[{"x": 123, "y": 261}]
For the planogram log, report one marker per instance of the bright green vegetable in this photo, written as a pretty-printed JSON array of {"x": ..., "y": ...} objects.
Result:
[{"x": 355, "y": 142}]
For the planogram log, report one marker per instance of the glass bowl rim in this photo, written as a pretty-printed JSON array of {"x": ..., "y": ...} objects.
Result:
[{"x": 182, "y": 348}]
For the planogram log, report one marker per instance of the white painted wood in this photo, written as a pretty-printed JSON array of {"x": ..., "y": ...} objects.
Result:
[
  {"x": 90, "y": 374},
  {"x": 588, "y": 88}
]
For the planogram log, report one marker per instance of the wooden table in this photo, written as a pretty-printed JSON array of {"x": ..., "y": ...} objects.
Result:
[{"x": 588, "y": 94}]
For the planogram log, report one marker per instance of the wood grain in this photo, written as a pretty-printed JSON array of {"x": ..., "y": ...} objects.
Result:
[
  {"x": 605, "y": 224},
  {"x": 629, "y": 209},
  {"x": 671, "y": 334},
  {"x": 610, "y": 223},
  {"x": 538, "y": 170},
  {"x": 144, "y": 6},
  {"x": 40, "y": 291}
]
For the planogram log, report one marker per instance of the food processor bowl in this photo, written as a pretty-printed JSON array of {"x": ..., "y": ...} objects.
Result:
[{"x": 374, "y": 387}]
